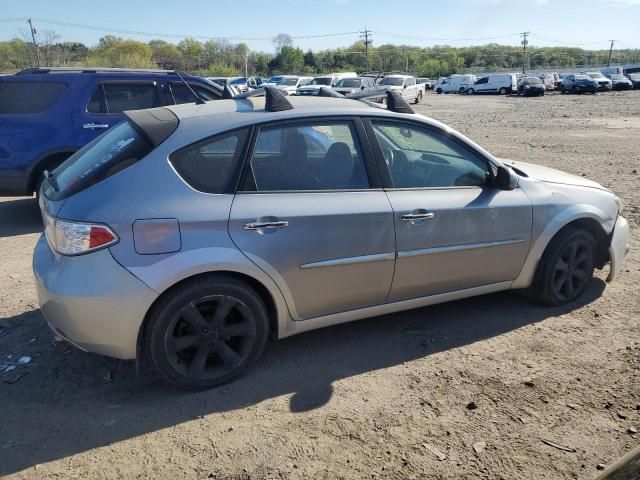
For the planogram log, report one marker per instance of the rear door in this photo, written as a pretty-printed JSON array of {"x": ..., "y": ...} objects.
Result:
[
  {"x": 101, "y": 108},
  {"x": 454, "y": 231},
  {"x": 311, "y": 213}
]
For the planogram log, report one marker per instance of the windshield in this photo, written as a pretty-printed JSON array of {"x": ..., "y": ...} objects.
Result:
[
  {"x": 289, "y": 82},
  {"x": 111, "y": 152},
  {"x": 532, "y": 81},
  {"x": 321, "y": 81},
  {"x": 395, "y": 81},
  {"x": 239, "y": 81},
  {"x": 618, "y": 76},
  {"x": 349, "y": 82},
  {"x": 275, "y": 80},
  {"x": 634, "y": 76},
  {"x": 596, "y": 75},
  {"x": 583, "y": 77}
]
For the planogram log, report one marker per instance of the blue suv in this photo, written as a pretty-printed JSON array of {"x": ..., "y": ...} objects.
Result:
[{"x": 46, "y": 114}]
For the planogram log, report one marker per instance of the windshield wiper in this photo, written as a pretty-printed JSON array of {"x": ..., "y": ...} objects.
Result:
[{"x": 52, "y": 180}]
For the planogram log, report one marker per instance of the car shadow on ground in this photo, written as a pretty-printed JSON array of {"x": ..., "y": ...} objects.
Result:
[
  {"x": 71, "y": 402},
  {"x": 19, "y": 217}
]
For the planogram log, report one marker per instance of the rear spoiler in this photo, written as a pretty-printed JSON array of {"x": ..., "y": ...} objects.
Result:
[{"x": 155, "y": 123}]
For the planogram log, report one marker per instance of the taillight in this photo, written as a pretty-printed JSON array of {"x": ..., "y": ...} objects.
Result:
[{"x": 75, "y": 238}]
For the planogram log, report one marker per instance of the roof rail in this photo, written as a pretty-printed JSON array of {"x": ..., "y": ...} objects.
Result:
[{"x": 43, "y": 70}]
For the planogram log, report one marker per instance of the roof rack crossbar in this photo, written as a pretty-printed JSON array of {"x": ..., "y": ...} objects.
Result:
[{"x": 42, "y": 70}]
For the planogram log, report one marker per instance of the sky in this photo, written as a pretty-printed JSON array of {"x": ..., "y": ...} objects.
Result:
[{"x": 584, "y": 23}]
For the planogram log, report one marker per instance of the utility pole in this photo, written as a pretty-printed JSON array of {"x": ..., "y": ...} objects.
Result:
[
  {"x": 35, "y": 46},
  {"x": 524, "y": 43},
  {"x": 367, "y": 41},
  {"x": 246, "y": 65},
  {"x": 610, "y": 52}
]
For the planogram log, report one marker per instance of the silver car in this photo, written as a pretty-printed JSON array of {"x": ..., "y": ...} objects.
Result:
[{"x": 189, "y": 234}]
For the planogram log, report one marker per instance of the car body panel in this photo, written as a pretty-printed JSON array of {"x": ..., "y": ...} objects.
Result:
[
  {"x": 619, "y": 247},
  {"x": 336, "y": 254},
  {"x": 475, "y": 237}
]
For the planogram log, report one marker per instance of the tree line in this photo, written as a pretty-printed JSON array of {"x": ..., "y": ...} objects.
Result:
[{"x": 223, "y": 58}]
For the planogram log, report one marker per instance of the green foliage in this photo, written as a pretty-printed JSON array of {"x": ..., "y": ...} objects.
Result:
[{"x": 222, "y": 58}]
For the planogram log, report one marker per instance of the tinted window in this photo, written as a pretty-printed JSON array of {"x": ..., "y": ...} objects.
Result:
[
  {"x": 349, "y": 83},
  {"x": 421, "y": 158},
  {"x": 482, "y": 80},
  {"x": 181, "y": 94},
  {"x": 118, "y": 97},
  {"x": 209, "y": 165},
  {"x": 28, "y": 97},
  {"x": 395, "y": 81},
  {"x": 111, "y": 152},
  {"x": 321, "y": 81},
  {"x": 308, "y": 157}
]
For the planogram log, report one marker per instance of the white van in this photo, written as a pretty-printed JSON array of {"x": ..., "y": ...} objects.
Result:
[
  {"x": 455, "y": 84},
  {"x": 329, "y": 81},
  {"x": 501, "y": 83}
]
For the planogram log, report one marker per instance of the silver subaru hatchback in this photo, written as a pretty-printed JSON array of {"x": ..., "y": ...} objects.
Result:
[{"x": 188, "y": 234}]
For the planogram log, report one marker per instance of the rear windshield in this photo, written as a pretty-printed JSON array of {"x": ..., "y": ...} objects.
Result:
[
  {"x": 114, "y": 150},
  {"x": 28, "y": 97},
  {"x": 321, "y": 81},
  {"x": 634, "y": 76},
  {"x": 395, "y": 81}
]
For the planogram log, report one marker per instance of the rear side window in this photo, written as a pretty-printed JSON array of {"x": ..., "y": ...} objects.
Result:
[
  {"x": 29, "y": 97},
  {"x": 118, "y": 97},
  {"x": 114, "y": 150},
  {"x": 318, "y": 156},
  {"x": 209, "y": 165}
]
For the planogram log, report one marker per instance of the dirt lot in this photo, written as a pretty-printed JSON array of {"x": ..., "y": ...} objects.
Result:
[{"x": 381, "y": 398}]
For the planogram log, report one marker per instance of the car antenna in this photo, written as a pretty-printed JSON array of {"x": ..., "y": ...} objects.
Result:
[
  {"x": 327, "y": 92},
  {"x": 397, "y": 104},
  {"x": 199, "y": 100}
]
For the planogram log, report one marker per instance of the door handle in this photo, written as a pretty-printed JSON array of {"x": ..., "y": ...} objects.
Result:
[
  {"x": 266, "y": 225},
  {"x": 409, "y": 217},
  {"x": 94, "y": 126}
]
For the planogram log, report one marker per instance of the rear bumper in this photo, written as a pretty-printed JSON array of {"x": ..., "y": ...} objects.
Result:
[
  {"x": 91, "y": 301},
  {"x": 619, "y": 247},
  {"x": 14, "y": 186}
]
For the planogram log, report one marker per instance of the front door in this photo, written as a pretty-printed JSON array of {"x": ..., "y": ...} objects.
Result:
[
  {"x": 309, "y": 215},
  {"x": 453, "y": 230}
]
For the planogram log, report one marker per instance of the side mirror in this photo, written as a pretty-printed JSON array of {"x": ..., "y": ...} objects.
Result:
[
  {"x": 506, "y": 179},
  {"x": 362, "y": 87}
]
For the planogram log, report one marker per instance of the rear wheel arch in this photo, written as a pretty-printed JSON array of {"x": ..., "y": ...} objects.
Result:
[{"x": 256, "y": 285}]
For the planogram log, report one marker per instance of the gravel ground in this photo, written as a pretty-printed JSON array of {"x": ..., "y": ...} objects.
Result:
[{"x": 468, "y": 389}]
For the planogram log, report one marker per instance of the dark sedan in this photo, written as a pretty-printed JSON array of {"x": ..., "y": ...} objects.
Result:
[
  {"x": 531, "y": 87},
  {"x": 634, "y": 78},
  {"x": 620, "y": 82}
]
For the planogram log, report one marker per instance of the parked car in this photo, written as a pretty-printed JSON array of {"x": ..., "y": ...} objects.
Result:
[
  {"x": 349, "y": 86},
  {"x": 531, "y": 87},
  {"x": 620, "y": 82},
  {"x": 579, "y": 84},
  {"x": 635, "y": 79},
  {"x": 290, "y": 83},
  {"x": 548, "y": 80},
  {"x": 560, "y": 81},
  {"x": 426, "y": 82},
  {"x": 222, "y": 81},
  {"x": 240, "y": 83},
  {"x": 604, "y": 84},
  {"x": 455, "y": 84},
  {"x": 405, "y": 85},
  {"x": 224, "y": 245},
  {"x": 329, "y": 81},
  {"x": 275, "y": 80},
  {"x": 255, "y": 82},
  {"x": 47, "y": 114},
  {"x": 501, "y": 83}
]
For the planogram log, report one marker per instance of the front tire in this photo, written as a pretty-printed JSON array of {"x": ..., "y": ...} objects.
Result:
[
  {"x": 206, "y": 332},
  {"x": 566, "y": 268},
  {"x": 471, "y": 91},
  {"x": 439, "y": 91},
  {"x": 503, "y": 91},
  {"x": 418, "y": 98}
]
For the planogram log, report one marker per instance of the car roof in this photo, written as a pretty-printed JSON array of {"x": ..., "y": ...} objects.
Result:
[{"x": 214, "y": 117}]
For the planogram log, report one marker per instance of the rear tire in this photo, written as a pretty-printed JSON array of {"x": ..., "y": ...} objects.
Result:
[
  {"x": 419, "y": 98},
  {"x": 503, "y": 91},
  {"x": 461, "y": 91},
  {"x": 566, "y": 267},
  {"x": 206, "y": 332},
  {"x": 471, "y": 91},
  {"x": 439, "y": 91}
]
